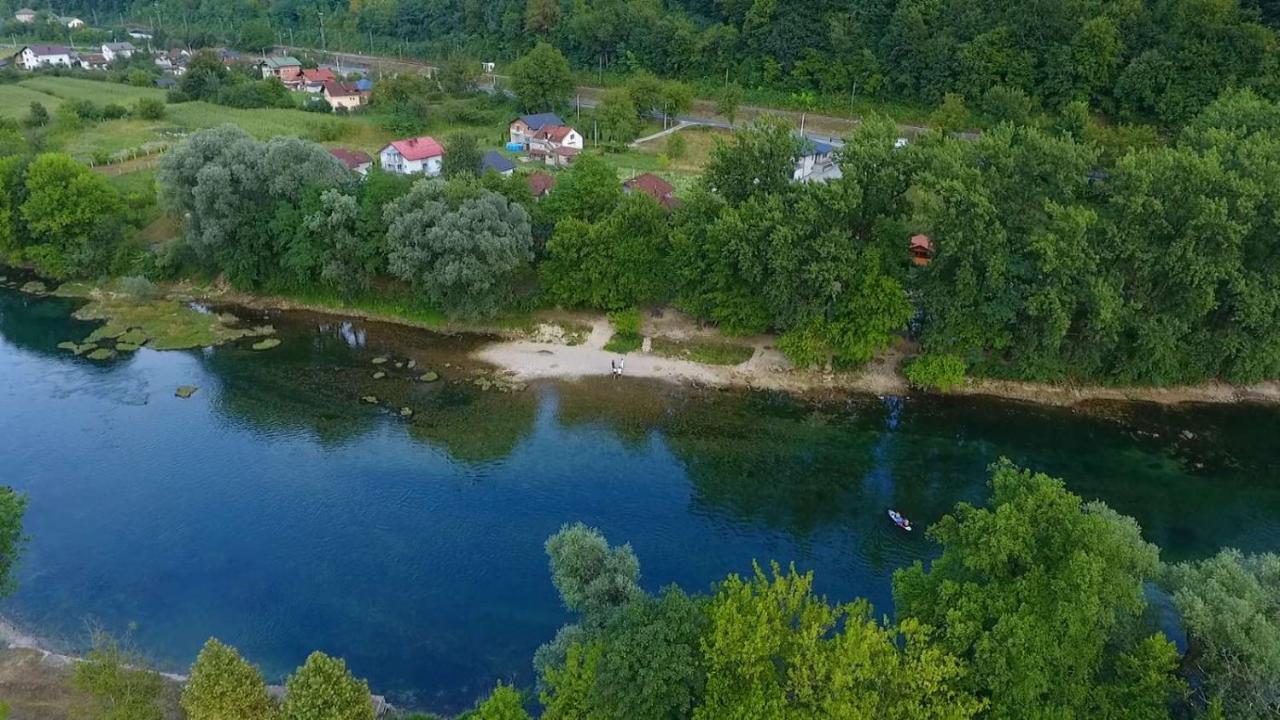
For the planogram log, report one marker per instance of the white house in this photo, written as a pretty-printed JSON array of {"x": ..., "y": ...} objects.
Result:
[
  {"x": 117, "y": 51},
  {"x": 73, "y": 23},
  {"x": 413, "y": 156},
  {"x": 92, "y": 61},
  {"x": 816, "y": 162},
  {"x": 25, "y": 15},
  {"x": 555, "y": 145},
  {"x": 525, "y": 127},
  {"x": 38, "y": 56}
]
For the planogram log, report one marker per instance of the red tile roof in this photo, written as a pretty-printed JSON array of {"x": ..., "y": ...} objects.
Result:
[
  {"x": 651, "y": 185},
  {"x": 351, "y": 158},
  {"x": 419, "y": 148},
  {"x": 921, "y": 242},
  {"x": 541, "y": 183},
  {"x": 554, "y": 133},
  {"x": 318, "y": 75}
]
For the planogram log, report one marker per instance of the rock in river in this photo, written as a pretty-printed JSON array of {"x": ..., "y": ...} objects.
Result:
[
  {"x": 371, "y": 399},
  {"x": 266, "y": 344},
  {"x": 101, "y": 354},
  {"x": 379, "y": 375},
  {"x": 379, "y": 360},
  {"x": 429, "y": 377},
  {"x": 185, "y": 391}
]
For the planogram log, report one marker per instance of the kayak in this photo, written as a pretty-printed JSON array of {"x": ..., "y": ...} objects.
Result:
[{"x": 899, "y": 520}]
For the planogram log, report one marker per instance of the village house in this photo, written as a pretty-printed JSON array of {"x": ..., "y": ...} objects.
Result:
[
  {"x": 313, "y": 80},
  {"x": 118, "y": 51},
  {"x": 25, "y": 15},
  {"x": 287, "y": 69},
  {"x": 497, "y": 162},
  {"x": 138, "y": 34},
  {"x": 413, "y": 156},
  {"x": 342, "y": 96},
  {"x": 92, "y": 61},
  {"x": 356, "y": 161},
  {"x": 555, "y": 145},
  {"x": 73, "y": 23},
  {"x": 33, "y": 57},
  {"x": 524, "y": 127},
  {"x": 653, "y": 186},
  {"x": 922, "y": 250},
  {"x": 541, "y": 184},
  {"x": 815, "y": 162}
]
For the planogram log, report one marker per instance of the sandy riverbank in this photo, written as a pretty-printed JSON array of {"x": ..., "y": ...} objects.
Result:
[{"x": 529, "y": 358}]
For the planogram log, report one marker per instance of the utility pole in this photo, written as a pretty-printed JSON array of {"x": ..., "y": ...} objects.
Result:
[
  {"x": 322, "y": 42},
  {"x": 370, "y": 41}
]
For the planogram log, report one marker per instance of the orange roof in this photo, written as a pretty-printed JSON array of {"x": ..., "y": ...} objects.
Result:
[{"x": 921, "y": 242}]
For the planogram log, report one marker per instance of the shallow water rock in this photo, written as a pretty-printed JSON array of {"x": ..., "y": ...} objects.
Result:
[
  {"x": 379, "y": 375},
  {"x": 371, "y": 399},
  {"x": 101, "y": 354},
  {"x": 106, "y": 332},
  {"x": 35, "y": 287},
  {"x": 260, "y": 331},
  {"x": 68, "y": 345},
  {"x": 406, "y": 412},
  {"x": 266, "y": 344},
  {"x": 379, "y": 360},
  {"x": 227, "y": 318},
  {"x": 399, "y": 365},
  {"x": 185, "y": 391},
  {"x": 126, "y": 347},
  {"x": 429, "y": 377},
  {"x": 412, "y": 364}
]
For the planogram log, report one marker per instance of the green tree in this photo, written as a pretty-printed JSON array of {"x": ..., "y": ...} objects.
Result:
[
  {"x": 588, "y": 191},
  {"x": 347, "y": 258},
  {"x": 728, "y": 100},
  {"x": 458, "y": 244},
  {"x": 775, "y": 650},
  {"x": 1041, "y": 595},
  {"x": 37, "y": 115},
  {"x": 462, "y": 155},
  {"x": 593, "y": 578},
  {"x": 542, "y": 16},
  {"x": 504, "y": 703},
  {"x": 115, "y": 684},
  {"x": 204, "y": 78},
  {"x": 617, "y": 118},
  {"x": 541, "y": 79},
  {"x": 760, "y": 160},
  {"x": 324, "y": 689},
  {"x": 458, "y": 74},
  {"x": 951, "y": 116},
  {"x": 71, "y": 211},
  {"x": 223, "y": 686},
  {"x": 1230, "y": 607},
  {"x": 617, "y": 263},
  {"x": 13, "y": 506}
]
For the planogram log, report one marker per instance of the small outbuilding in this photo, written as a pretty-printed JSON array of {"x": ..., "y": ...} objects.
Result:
[
  {"x": 497, "y": 162},
  {"x": 922, "y": 250}
]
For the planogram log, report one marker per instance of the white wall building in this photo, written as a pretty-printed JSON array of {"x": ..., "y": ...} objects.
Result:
[
  {"x": 34, "y": 57},
  {"x": 414, "y": 156}
]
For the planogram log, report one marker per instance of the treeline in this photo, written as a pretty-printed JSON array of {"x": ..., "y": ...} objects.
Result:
[
  {"x": 1037, "y": 607},
  {"x": 1162, "y": 60}
]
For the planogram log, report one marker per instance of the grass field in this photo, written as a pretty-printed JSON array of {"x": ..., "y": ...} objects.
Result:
[
  {"x": 15, "y": 101},
  {"x": 95, "y": 91}
]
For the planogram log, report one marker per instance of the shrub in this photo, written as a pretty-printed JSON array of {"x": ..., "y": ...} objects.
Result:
[
  {"x": 149, "y": 109},
  {"x": 625, "y": 322},
  {"x": 141, "y": 288},
  {"x": 223, "y": 686},
  {"x": 114, "y": 111},
  {"x": 324, "y": 688},
  {"x": 936, "y": 371},
  {"x": 677, "y": 146},
  {"x": 116, "y": 689},
  {"x": 37, "y": 116}
]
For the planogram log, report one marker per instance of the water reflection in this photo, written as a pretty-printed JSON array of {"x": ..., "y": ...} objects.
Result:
[{"x": 282, "y": 511}]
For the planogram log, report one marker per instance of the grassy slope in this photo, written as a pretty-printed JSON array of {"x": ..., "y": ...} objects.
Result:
[{"x": 16, "y": 100}]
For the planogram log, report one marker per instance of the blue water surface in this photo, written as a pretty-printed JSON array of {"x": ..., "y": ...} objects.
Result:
[{"x": 279, "y": 513}]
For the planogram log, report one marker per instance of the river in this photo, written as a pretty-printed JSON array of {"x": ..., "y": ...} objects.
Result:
[{"x": 280, "y": 513}]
